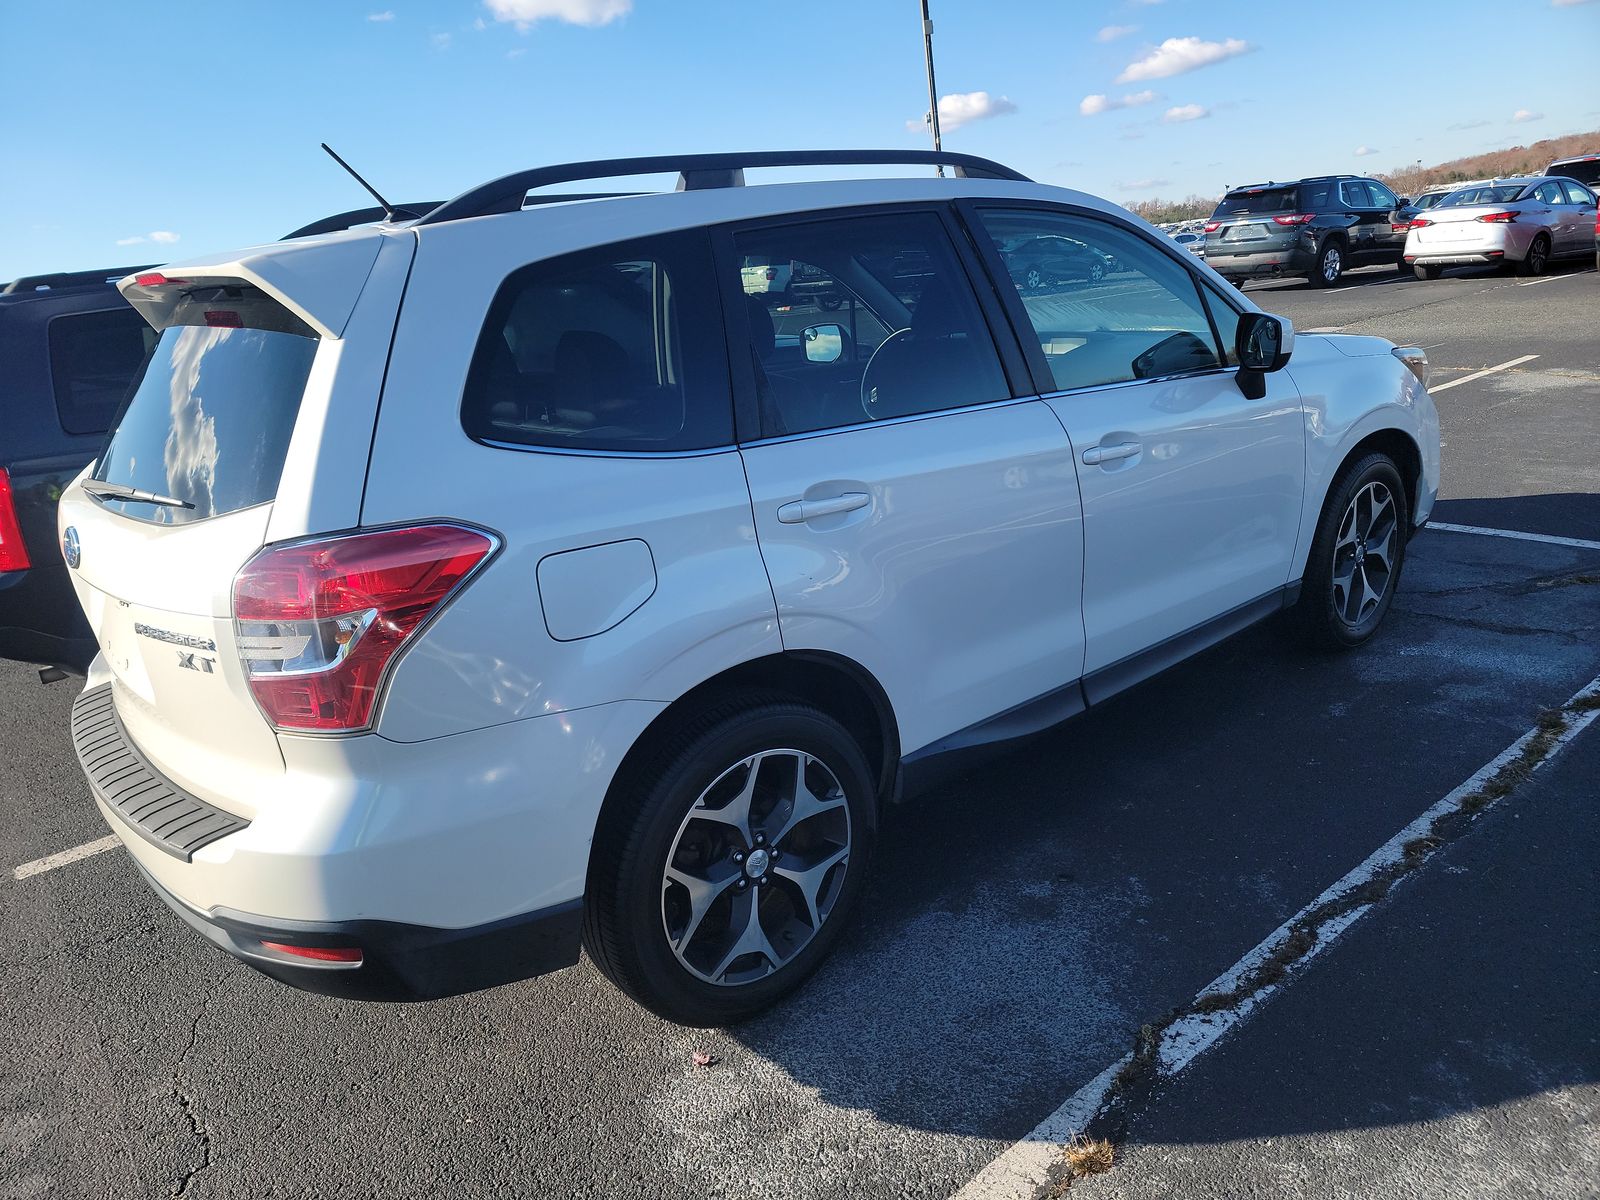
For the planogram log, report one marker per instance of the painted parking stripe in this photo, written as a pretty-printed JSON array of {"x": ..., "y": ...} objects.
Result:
[
  {"x": 1020, "y": 1169},
  {"x": 1505, "y": 366},
  {"x": 1516, "y": 534},
  {"x": 49, "y": 863}
]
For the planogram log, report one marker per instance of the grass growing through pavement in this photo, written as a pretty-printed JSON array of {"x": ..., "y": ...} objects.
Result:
[{"x": 1132, "y": 1085}]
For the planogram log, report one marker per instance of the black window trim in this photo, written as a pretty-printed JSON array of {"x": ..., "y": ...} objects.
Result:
[
  {"x": 50, "y": 368},
  {"x": 703, "y": 257},
  {"x": 746, "y": 405},
  {"x": 1017, "y": 314}
]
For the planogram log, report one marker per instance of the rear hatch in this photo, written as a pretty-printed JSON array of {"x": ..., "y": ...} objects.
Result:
[
  {"x": 1250, "y": 221},
  {"x": 178, "y": 501}
]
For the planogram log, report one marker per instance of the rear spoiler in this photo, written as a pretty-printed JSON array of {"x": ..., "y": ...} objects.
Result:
[{"x": 317, "y": 281}]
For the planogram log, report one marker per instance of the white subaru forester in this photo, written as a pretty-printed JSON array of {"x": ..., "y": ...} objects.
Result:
[{"x": 475, "y": 587}]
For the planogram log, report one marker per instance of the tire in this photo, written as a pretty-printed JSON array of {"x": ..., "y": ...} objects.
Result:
[
  {"x": 1328, "y": 267},
  {"x": 1537, "y": 258},
  {"x": 1034, "y": 278},
  {"x": 1426, "y": 272},
  {"x": 640, "y": 922},
  {"x": 1097, "y": 272},
  {"x": 1336, "y": 610},
  {"x": 1401, "y": 266}
]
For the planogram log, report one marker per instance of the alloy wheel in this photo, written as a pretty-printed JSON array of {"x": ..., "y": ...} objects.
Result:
[
  {"x": 756, "y": 867},
  {"x": 1363, "y": 554},
  {"x": 1332, "y": 263}
]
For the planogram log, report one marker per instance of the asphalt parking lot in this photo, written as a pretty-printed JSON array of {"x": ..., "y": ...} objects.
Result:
[{"x": 1026, "y": 920}]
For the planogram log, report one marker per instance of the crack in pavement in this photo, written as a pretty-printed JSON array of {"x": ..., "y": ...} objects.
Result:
[
  {"x": 1137, "y": 1076},
  {"x": 186, "y": 1104}
]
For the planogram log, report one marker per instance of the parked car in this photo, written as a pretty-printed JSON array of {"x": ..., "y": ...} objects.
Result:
[
  {"x": 1430, "y": 196},
  {"x": 1317, "y": 227},
  {"x": 1194, "y": 243},
  {"x": 618, "y": 619},
  {"x": 1037, "y": 262},
  {"x": 1523, "y": 222},
  {"x": 1585, "y": 168},
  {"x": 71, "y": 345}
]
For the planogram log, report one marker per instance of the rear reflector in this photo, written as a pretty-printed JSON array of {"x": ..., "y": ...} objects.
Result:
[
  {"x": 13, "y": 554},
  {"x": 330, "y": 954},
  {"x": 318, "y": 623}
]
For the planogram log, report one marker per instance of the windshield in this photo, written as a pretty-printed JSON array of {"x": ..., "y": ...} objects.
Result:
[
  {"x": 209, "y": 422},
  {"x": 1496, "y": 194},
  {"x": 1256, "y": 202}
]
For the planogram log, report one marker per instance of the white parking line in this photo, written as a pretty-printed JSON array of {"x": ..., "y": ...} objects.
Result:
[
  {"x": 49, "y": 863},
  {"x": 1546, "y": 279},
  {"x": 1505, "y": 366},
  {"x": 1516, "y": 534},
  {"x": 1019, "y": 1170}
]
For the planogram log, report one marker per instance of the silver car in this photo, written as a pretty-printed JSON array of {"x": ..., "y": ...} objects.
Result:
[{"x": 1525, "y": 220}]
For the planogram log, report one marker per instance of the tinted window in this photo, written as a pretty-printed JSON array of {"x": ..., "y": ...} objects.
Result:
[
  {"x": 612, "y": 349},
  {"x": 1577, "y": 193},
  {"x": 1356, "y": 195},
  {"x": 1427, "y": 200},
  {"x": 1255, "y": 202},
  {"x": 1584, "y": 170},
  {"x": 210, "y": 421},
  {"x": 1382, "y": 196},
  {"x": 93, "y": 358},
  {"x": 1144, "y": 320},
  {"x": 875, "y": 319}
]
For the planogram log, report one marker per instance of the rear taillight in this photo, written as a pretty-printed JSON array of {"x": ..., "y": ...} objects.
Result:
[
  {"x": 1399, "y": 226},
  {"x": 1296, "y": 219},
  {"x": 1496, "y": 218},
  {"x": 318, "y": 623},
  {"x": 13, "y": 554},
  {"x": 1213, "y": 226},
  {"x": 1419, "y": 223}
]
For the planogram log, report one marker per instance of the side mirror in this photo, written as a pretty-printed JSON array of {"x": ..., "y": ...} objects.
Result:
[
  {"x": 1263, "y": 344},
  {"x": 1403, "y": 202},
  {"x": 823, "y": 343}
]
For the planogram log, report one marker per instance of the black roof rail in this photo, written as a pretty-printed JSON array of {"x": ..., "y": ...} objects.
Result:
[
  {"x": 1324, "y": 178},
  {"x": 66, "y": 279},
  {"x": 697, "y": 171},
  {"x": 359, "y": 216}
]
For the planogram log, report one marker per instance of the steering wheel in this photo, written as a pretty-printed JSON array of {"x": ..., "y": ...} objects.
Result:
[{"x": 866, "y": 375}]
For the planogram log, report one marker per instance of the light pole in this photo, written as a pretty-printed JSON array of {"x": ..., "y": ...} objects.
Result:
[{"x": 933, "y": 92}]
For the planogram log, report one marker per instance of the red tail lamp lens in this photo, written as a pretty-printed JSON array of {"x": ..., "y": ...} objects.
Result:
[{"x": 331, "y": 954}]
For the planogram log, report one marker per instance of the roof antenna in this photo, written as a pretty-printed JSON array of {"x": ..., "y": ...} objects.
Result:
[{"x": 390, "y": 212}]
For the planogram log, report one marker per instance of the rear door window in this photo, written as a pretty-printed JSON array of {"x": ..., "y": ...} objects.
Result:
[
  {"x": 615, "y": 349},
  {"x": 1355, "y": 195},
  {"x": 206, "y": 430},
  {"x": 94, "y": 357}
]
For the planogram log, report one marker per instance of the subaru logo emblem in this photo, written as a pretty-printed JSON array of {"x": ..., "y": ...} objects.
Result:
[{"x": 70, "y": 548}]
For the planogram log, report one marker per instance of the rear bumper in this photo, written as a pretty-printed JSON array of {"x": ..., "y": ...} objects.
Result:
[
  {"x": 398, "y": 962},
  {"x": 1461, "y": 259},
  {"x": 1285, "y": 260},
  {"x": 39, "y": 617}
]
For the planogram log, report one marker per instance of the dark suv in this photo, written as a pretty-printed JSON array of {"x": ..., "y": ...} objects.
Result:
[
  {"x": 1585, "y": 168},
  {"x": 1316, "y": 227},
  {"x": 70, "y": 344}
]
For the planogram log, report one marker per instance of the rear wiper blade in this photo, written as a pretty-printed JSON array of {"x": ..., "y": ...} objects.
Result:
[{"x": 121, "y": 491}]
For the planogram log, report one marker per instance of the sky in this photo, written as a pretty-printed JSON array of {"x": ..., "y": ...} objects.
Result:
[{"x": 157, "y": 132}]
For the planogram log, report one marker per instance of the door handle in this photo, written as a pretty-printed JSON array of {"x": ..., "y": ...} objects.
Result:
[
  {"x": 1095, "y": 455},
  {"x": 797, "y": 511}
]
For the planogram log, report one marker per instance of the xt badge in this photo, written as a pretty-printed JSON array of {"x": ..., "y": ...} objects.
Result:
[{"x": 191, "y": 662}]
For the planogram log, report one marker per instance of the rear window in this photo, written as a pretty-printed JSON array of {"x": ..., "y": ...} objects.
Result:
[
  {"x": 208, "y": 426},
  {"x": 1257, "y": 202},
  {"x": 94, "y": 357},
  {"x": 1503, "y": 194}
]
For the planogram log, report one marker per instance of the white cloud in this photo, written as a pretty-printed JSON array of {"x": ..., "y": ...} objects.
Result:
[
  {"x": 163, "y": 237},
  {"x": 1363, "y": 151},
  {"x": 382, "y": 16},
  {"x": 1140, "y": 185},
  {"x": 1185, "y": 112},
  {"x": 962, "y": 108},
  {"x": 526, "y": 13},
  {"x": 517, "y": 53},
  {"x": 1470, "y": 124},
  {"x": 1177, "y": 55},
  {"x": 1523, "y": 115},
  {"x": 1568, "y": 3},
  {"x": 440, "y": 41},
  {"x": 1112, "y": 32},
  {"x": 1091, "y": 106}
]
